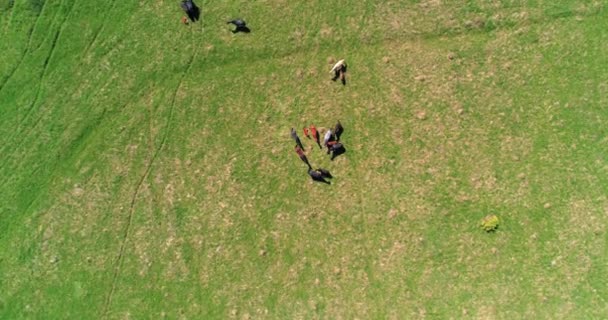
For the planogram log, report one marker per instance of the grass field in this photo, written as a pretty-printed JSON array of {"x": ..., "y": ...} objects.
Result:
[{"x": 146, "y": 168}]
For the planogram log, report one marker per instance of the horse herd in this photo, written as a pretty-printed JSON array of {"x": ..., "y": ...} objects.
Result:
[{"x": 331, "y": 139}]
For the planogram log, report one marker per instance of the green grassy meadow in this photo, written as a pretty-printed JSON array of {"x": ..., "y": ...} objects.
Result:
[{"x": 146, "y": 168}]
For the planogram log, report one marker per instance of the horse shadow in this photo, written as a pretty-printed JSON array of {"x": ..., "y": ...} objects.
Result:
[
  {"x": 242, "y": 29},
  {"x": 337, "y": 152},
  {"x": 321, "y": 180}
]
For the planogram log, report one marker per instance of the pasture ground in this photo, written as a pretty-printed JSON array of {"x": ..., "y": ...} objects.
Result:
[{"x": 146, "y": 169}]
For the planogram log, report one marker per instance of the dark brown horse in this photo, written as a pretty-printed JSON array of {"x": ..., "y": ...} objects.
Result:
[
  {"x": 338, "y": 130},
  {"x": 325, "y": 173},
  {"x": 302, "y": 156},
  {"x": 317, "y": 176}
]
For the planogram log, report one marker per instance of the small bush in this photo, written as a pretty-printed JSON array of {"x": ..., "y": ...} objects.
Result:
[{"x": 490, "y": 223}]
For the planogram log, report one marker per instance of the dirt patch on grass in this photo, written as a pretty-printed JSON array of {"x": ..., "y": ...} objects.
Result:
[{"x": 326, "y": 31}]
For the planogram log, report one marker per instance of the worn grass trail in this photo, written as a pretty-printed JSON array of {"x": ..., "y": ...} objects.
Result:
[{"x": 146, "y": 169}]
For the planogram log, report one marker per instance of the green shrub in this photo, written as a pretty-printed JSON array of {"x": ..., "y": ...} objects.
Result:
[{"x": 490, "y": 223}]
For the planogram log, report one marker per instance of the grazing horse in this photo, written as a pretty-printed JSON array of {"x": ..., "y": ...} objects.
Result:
[
  {"x": 295, "y": 137},
  {"x": 328, "y": 137},
  {"x": 325, "y": 173},
  {"x": 338, "y": 130},
  {"x": 339, "y": 71},
  {"x": 330, "y": 145},
  {"x": 306, "y": 133},
  {"x": 191, "y": 10},
  {"x": 240, "y": 24},
  {"x": 317, "y": 176},
  {"x": 315, "y": 135},
  {"x": 336, "y": 149},
  {"x": 302, "y": 156}
]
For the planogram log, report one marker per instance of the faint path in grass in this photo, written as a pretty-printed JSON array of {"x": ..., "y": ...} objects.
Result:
[
  {"x": 27, "y": 48},
  {"x": 55, "y": 15},
  {"x": 20, "y": 131},
  {"x": 99, "y": 30},
  {"x": 47, "y": 60},
  {"x": 125, "y": 238},
  {"x": 5, "y": 147},
  {"x": 10, "y": 19}
]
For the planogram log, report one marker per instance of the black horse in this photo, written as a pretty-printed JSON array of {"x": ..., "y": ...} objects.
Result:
[
  {"x": 191, "y": 9},
  {"x": 317, "y": 176},
  {"x": 336, "y": 150},
  {"x": 240, "y": 24},
  {"x": 325, "y": 173}
]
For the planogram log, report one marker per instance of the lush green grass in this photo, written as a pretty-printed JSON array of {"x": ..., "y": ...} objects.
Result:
[{"x": 146, "y": 168}]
